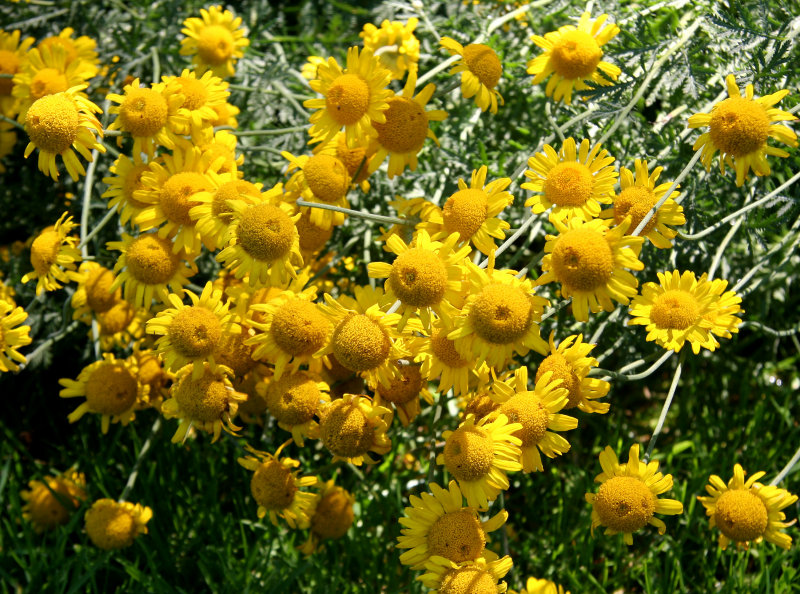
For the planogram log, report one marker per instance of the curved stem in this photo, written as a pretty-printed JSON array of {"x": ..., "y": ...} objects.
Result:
[
  {"x": 665, "y": 409},
  {"x": 88, "y": 184},
  {"x": 356, "y": 213},
  {"x": 89, "y": 236},
  {"x": 45, "y": 344},
  {"x": 505, "y": 245},
  {"x": 786, "y": 469}
]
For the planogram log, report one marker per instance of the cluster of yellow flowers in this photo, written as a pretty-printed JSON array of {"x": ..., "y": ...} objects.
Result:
[{"x": 339, "y": 368}]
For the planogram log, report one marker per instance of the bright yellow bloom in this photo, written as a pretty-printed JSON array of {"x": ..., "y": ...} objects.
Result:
[
  {"x": 12, "y": 335},
  {"x": 331, "y": 517},
  {"x": 747, "y": 512},
  {"x": 541, "y": 586},
  {"x": 573, "y": 56},
  {"x": 320, "y": 178},
  {"x": 112, "y": 525},
  {"x": 126, "y": 180},
  {"x": 50, "y": 502},
  {"x": 212, "y": 212},
  {"x": 628, "y": 495},
  {"x": 93, "y": 297},
  {"x": 58, "y": 123},
  {"x": 589, "y": 259},
  {"x": 683, "y": 307},
  {"x": 441, "y": 360},
  {"x": 574, "y": 182},
  {"x": 54, "y": 253},
  {"x": 353, "y": 426},
  {"x": 294, "y": 400},
  {"x": 404, "y": 128},
  {"x": 470, "y": 577},
  {"x": 202, "y": 96},
  {"x": 13, "y": 56},
  {"x": 739, "y": 128},
  {"x": 215, "y": 41},
  {"x": 394, "y": 44},
  {"x": 480, "y": 69},
  {"x": 82, "y": 50}
]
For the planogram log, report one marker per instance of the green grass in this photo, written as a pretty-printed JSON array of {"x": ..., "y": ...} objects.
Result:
[{"x": 736, "y": 405}]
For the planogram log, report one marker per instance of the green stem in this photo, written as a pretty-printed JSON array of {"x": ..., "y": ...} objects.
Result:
[
  {"x": 356, "y": 213},
  {"x": 270, "y": 132},
  {"x": 665, "y": 409},
  {"x": 135, "y": 471}
]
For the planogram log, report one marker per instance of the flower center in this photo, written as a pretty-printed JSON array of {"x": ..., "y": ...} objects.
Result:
[
  {"x": 273, "y": 486},
  {"x": 457, "y": 536},
  {"x": 202, "y": 400},
  {"x": 468, "y": 580},
  {"x": 501, "y": 314},
  {"x": 299, "y": 328},
  {"x": 327, "y": 177},
  {"x": 143, "y": 112},
  {"x": 418, "y": 278},
  {"x": 469, "y": 453},
  {"x": 569, "y": 184},
  {"x": 624, "y": 503},
  {"x": 445, "y": 350},
  {"x": 44, "y": 251},
  {"x": 150, "y": 259},
  {"x": 312, "y": 238},
  {"x": 48, "y": 81},
  {"x": 739, "y": 126},
  {"x": 575, "y": 55},
  {"x": 404, "y": 387},
  {"x": 117, "y": 318},
  {"x": 352, "y": 158},
  {"x": 195, "y": 93},
  {"x": 526, "y": 408},
  {"x": 195, "y": 331},
  {"x": 293, "y": 399},
  {"x": 215, "y": 45},
  {"x": 347, "y": 99},
  {"x": 98, "y": 297},
  {"x": 483, "y": 62},
  {"x": 52, "y": 123},
  {"x": 359, "y": 343},
  {"x": 111, "y": 527},
  {"x": 406, "y": 126},
  {"x": 465, "y": 212},
  {"x": 265, "y": 232},
  {"x": 176, "y": 195},
  {"x": 333, "y": 516},
  {"x": 111, "y": 389},
  {"x": 234, "y": 353},
  {"x": 9, "y": 64},
  {"x": 741, "y": 515},
  {"x": 582, "y": 259},
  {"x": 232, "y": 190},
  {"x": 636, "y": 202},
  {"x": 675, "y": 310},
  {"x": 344, "y": 430},
  {"x": 563, "y": 370}
]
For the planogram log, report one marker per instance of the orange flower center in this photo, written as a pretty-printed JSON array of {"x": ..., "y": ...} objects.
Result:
[
  {"x": 111, "y": 389},
  {"x": 675, "y": 310},
  {"x": 483, "y": 62},
  {"x": 741, "y": 515},
  {"x": 176, "y": 195},
  {"x": 215, "y": 45},
  {"x": 739, "y": 126},
  {"x": 143, "y": 112},
  {"x": 582, "y": 259},
  {"x": 465, "y": 211},
  {"x": 327, "y": 177},
  {"x": 501, "y": 314},
  {"x": 418, "y": 278},
  {"x": 48, "y": 81},
  {"x": 575, "y": 55},
  {"x": 150, "y": 260},
  {"x": 273, "y": 486},
  {"x": 563, "y": 370},
  {"x": 52, "y": 123},
  {"x": 406, "y": 126},
  {"x": 457, "y": 536},
  {"x": 359, "y": 343},
  {"x": 624, "y": 503},
  {"x": 347, "y": 99},
  {"x": 265, "y": 232},
  {"x": 569, "y": 184},
  {"x": 636, "y": 202},
  {"x": 469, "y": 453}
]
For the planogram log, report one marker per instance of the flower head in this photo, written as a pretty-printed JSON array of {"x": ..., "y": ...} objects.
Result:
[
  {"x": 54, "y": 253},
  {"x": 470, "y": 577},
  {"x": 50, "y": 502},
  {"x": 202, "y": 96},
  {"x": 321, "y": 178},
  {"x": 295, "y": 400},
  {"x": 12, "y": 335},
  {"x": 215, "y": 41},
  {"x": 739, "y": 128},
  {"x": 115, "y": 525},
  {"x": 331, "y": 516},
  {"x": 480, "y": 69},
  {"x": 747, "y": 512},
  {"x": 573, "y": 56},
  {"x": 13, "y": 55},
  {"x": 628, "y": 495},
  {"x": 394, "y": 44},
  {"x": 353, "y": 426}
]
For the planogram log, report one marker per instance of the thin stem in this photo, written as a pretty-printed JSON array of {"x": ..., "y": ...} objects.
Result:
[
  {"x": 109, "y": 133},
  {"x": 156, "y": 64},
  {"x": 45, "y": 344},
  {"x": 771, "y": 331},
  {"x": 269, "y": 132},
  {"x": 505, "y": 245},
  {"x": 619, "y": 375},
  {"x": 786, "y": 469},
  {"x": 437, "y": 69},
  {"x": 665, "y": 409},
  {"x": 135, "y": 471},
  {"x": 89, "y": 236},
  {"x": 721, "y": 249},
  {"x": 11, "y": 121},
  {"x": 356, "y": 213},
  {"x": 88, "y": 184}
]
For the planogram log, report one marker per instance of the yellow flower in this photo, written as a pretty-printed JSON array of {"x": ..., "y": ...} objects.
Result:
[
  {"x": 404, "y": 392},
  {"x": 575, "y": 181},
  {"x": 120, "y": 325},
  {"x": 426, "y": 276},
  {"x": 53, "y": 256},
  {"x": 479, "y": 454},
  {"x": 353, "y": 426},
  {"x": 589, "y": 259},
  {"x": 437, "y": 523},
  {"x": 440, "y": 359},
  {"x": 570, "y": 363},
  {"x": 573, "y": 56},
  {"x": 472, "y": 212},
  {"x": 403, "y": 128},
  {"x": 395, "y": 44},
  {"x": 93, "y": 297},
  {"x": 541, "y": 586},
  {"x": 294, "y": 400},
  {"x": 276, "y": 487},
  {"x": 354, "y": 98},
  {"x": 202, "y": 96},
  {"x": 683, "y": 307},
  {"x": 126, "y": 180},
  {"x": 470, "y": 577},
  {"x": 208, "y": 403},
  {"x": 480, "y": 69},
  {"x": 310, "y": 68},
  {"x": 331, "y": 517},
  {"x": 641, "y": 194},
  {"x": 739, "y": 127},
  {"x": 320, "y": 178},
  {"x": 13, "y": 56},
  {"x": 110, "y": 389},
  {"x": 148, "y": 267},
  {"x": 628, "y": 495},
  {"x": 747, "y": 512},
  {"x": 355, "y": 156},
  {"x": 215, "y": 41},
  {"x": 499, "y": 319},
  {"x": 192, "y": 334},
  {"x": 148, "y": 114},
  {"x": 111, "y": 525},
  {"x": 58, "y": 123},
  {"x": 82, "y": 50},
  {"x": 12, "y": 335},
  {"x": 50, "y": 502},
  {"x": 537, "y": 414}
]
